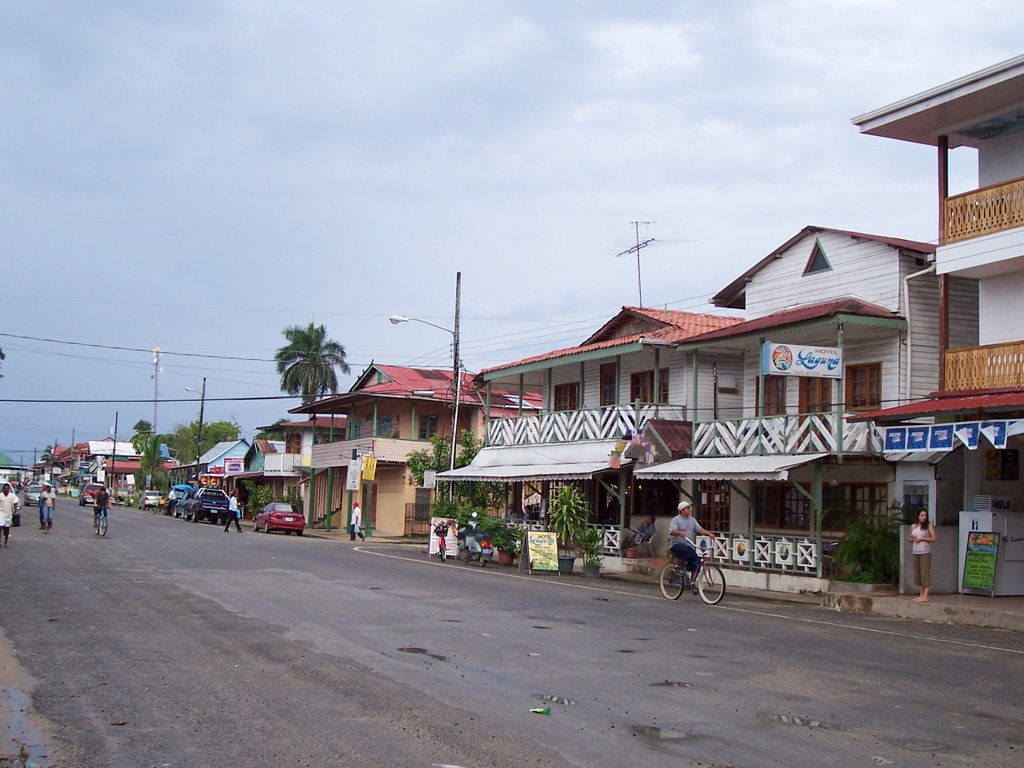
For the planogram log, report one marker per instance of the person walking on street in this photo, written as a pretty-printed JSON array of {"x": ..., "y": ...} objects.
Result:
[
  {"x": 233, "y": 514},
  {"x": 9, "y": 504},
  {"x": 47, "y": 506},
  {"x": 922, "y": 536},
  {"x": 42, "y": 514},
  {"x": 356, "y": 522}
]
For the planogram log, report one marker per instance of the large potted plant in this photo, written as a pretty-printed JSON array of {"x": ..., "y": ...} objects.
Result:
[
  {"x": 507, "y": 539},
  {"x": 589, "y": 541},
  {"x": 568, "y": 513}
]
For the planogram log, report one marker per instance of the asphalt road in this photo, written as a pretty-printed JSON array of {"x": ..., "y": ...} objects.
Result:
[{"x": 175, "y": 644}]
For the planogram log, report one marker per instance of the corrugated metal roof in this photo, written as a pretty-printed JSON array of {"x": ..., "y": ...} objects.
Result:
[
  {"x": 845, "y": 305},
  {"x": 942, "y": 403}
]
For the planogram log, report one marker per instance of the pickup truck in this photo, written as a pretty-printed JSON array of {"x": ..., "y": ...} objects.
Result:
[{"x": 206, "y": 504}]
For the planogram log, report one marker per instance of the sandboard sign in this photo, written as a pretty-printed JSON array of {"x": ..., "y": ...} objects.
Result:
[
  {"x": 980, "y": 563},
  {"x": 540, "y": 552}
]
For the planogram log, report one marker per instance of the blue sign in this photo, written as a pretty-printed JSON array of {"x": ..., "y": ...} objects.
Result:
[
  {"x": 994, "y": 432},
  {"x": 968, "y": 433},
  {"x": 799, "y": 360},
  {"x": 896, "y": 438},
  {"x": 917, "y": 438},
  {"x": 941, "y": 437}
]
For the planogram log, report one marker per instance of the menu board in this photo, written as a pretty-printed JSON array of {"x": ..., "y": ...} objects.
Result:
[
  {"x": 540, "y": 552},
  {"x": 980, "y": 562}
]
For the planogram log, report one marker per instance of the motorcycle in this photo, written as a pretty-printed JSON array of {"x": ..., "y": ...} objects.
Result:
[{"x": 474, "y": 546}]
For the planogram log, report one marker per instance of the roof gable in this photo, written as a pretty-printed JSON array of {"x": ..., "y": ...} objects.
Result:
[{"x": 733, "y": 296}]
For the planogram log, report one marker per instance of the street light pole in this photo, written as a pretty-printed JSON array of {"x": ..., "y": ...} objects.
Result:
[
  {"x": 456, "y": 362},
  {"x": 199, "y": 432}
]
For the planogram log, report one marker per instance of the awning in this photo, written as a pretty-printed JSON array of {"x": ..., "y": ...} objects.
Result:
[
  {"x": 985, "y": 404},
  {"x": 728, "y": 468},
  {"x": 564, "y": 461}
]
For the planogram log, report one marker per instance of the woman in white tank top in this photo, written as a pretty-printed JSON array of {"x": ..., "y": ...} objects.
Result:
[{"x": 922, "y": 535}]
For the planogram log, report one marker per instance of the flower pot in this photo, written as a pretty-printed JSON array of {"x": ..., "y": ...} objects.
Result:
[
  {"x": 631, "y": 553},
  {"x": 591, "y": 569},
  {"x": 506, "y": 557},
  {"x": 565, "y": 564}
]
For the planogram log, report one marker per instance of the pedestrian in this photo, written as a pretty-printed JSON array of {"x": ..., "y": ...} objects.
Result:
[
  {"x": 233, "y": 514},
  {"x": 172, "y": 502},
  {"x": 48, "y": 505},
  {"x": 355, "y": 522},
  {"x": 922, "y": 536},
  {"x": 9, "y": 506},
  {"x": 42, "y": 515}
]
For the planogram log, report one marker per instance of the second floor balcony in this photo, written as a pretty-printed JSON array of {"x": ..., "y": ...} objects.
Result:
[
  {"x": 774, "y": 435},
  {"x": 993, "y": 366},
  {"x": 282, "y": 464},
  {"x": 611, "y": 422},
  {"x": 995, "y": 208}
]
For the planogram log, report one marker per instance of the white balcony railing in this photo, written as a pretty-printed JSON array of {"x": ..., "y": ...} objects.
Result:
[
  {"x": 608, "y": 423},
  {"x": 282, "y": 463},
  {"x": 773, "y": 435}
]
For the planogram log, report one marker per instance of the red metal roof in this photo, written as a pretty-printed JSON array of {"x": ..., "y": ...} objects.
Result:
[
  {"x": 664, "y": 325},
  {"x": 844, "y": 305},
  {"x": 940, "y": 403}
]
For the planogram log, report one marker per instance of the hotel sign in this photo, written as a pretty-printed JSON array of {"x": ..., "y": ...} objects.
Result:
[{"x": 798, "y": 360}]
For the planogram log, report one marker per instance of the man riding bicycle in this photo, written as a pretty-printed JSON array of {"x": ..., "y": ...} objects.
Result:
[
  {"x": 682, "y": 533},
  {"x": 100, "y": 503}
]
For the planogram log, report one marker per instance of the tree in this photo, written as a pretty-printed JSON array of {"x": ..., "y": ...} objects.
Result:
[
  {"x": 183, "y": 441},
  {"x": 143, "y": 432},
  {"x": 307, "y": 363},
  {"x": 474, "y": 494},
  {"x": 271, "y": 433}
]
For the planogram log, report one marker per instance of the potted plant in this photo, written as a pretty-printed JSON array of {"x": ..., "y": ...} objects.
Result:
[
  {"x": 589, "y": 541},
  {"x": 507, "y": 539},
  {"x": 568, "y": 513}
]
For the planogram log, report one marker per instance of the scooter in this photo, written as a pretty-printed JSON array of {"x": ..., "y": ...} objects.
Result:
[{"x": 474, "y": 547}]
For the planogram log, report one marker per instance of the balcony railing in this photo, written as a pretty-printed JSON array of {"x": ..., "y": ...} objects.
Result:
[
  {"x": 771, "y": 435},
  {"x": 993, "y": 366},
  {"x": 991, "y": 209},
  {"x": 608, "y": 423},
  {"x": 282, "y": 463}
]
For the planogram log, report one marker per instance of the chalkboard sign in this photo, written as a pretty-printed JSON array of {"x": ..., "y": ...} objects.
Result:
[{"x": 980, "y": 562}]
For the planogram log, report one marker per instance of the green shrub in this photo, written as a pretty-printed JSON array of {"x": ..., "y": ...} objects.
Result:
[{"x": 869, "y": 551}]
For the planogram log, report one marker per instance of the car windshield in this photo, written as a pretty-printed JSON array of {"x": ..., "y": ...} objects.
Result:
[{"x": 282, "y": 508}]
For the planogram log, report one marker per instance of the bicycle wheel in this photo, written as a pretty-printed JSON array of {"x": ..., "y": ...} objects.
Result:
[
  {"x": 101, "y": 525},
  {"x": 671, "y": 582},
  {"x": 711, "y": 584}
]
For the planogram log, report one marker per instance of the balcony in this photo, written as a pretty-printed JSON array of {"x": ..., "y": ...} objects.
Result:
[
  {"x": 385, "y": 449},
  {"x": 773, "y": 435},
  {"x": 608, "y": 423},
  {"x": 282, "y": 464},
  {"x": 993, "y": 366},
  {"x": 995, "y": 208}
]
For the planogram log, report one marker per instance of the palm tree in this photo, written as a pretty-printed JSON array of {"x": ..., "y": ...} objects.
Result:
[
  {"x": 307, "y": 363},
  {"x": 143, "y": 432}
]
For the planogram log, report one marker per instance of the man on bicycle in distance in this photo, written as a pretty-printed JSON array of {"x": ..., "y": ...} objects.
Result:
[
  {"x": 685, "y": 526},
  {"x": 100, "y": 502}
]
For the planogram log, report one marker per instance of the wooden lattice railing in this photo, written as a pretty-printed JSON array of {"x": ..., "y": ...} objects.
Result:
[
  {"x": 984, "y": 211},
  {"x": 610, "y": 422},
  {"x": 806, "y": 433},
  {"x": 994, "y": 366}
]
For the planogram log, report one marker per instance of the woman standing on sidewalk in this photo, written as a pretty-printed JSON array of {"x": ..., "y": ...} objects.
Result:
[{"x": 922, "y": 536}]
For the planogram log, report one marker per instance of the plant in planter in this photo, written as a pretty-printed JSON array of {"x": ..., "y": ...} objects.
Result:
[
  {"x": 589, "y": 541},
  {"x": 869, "y": 551},
  {"x": 507, "y": 539},
  {"x": 568, "y": 513}
]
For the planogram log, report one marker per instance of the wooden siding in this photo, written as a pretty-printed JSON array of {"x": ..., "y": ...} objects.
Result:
[
  {"x": 964, "y": 312},
  {"x": 1001, "y": 309},
  {"x": 864, "y": 267},
  {"x": 923, "y": 335}
]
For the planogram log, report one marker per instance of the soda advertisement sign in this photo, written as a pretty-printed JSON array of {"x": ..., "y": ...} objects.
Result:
[{"x": 799, "y": 360}]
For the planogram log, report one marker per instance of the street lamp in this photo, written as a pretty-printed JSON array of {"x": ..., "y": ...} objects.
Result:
[
  {"x": 456, "y": 366},
  {"x": 199, "y": 432}
]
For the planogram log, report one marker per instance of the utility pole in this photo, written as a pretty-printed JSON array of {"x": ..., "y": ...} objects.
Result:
[
  {"x": 457, "y": 379},
  {"x": 636, "y": 249},
  {"x": 156, "y": 384}
]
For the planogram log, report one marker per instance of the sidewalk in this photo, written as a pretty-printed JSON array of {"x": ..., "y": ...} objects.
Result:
[{"x": 965, "y": 610}]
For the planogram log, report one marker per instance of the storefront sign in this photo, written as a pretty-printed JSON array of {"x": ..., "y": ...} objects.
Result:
[
  {"x": 944, "y": 437},
  {"x": 234, "y": 466},
  {"x": 798, "y": 360}
]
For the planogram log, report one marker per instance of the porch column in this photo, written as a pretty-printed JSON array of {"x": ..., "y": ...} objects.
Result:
[{"x": 842, "y": 395}]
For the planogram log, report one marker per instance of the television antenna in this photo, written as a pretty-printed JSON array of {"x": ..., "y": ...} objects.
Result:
[{"x": 636, "y": 249}]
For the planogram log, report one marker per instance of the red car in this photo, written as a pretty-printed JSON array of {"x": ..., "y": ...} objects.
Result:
[{"x": 280, "y": 516}]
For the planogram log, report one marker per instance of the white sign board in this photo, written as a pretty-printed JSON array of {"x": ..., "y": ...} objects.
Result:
[
  {"x": 354, "y": 473},
  {"x": 430, "y": 478},
  {"x": 798, "y": 360}
]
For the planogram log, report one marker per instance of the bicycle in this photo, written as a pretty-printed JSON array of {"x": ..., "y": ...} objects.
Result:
[
  {"x": 709, "y": 582},
  {"x": 100, "y": 521}
]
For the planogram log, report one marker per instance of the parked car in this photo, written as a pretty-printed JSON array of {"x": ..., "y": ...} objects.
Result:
[
  {"x": 88, "y": 494},
  {"x": 280, "y": 516},
  {"x": 32, "y": 494},
  {"x": 149, "y": 500},
  {"x": 206, "y": 504}
]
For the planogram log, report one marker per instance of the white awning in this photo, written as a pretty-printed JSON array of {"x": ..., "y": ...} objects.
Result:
[
  {"x": 563, "y": 461},
  {"x": 728, "y": 468}
]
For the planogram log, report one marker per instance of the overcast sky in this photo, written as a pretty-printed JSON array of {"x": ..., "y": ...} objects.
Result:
[{"x": 199, "y": 175}]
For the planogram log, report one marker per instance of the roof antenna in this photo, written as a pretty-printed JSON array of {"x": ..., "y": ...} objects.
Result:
[{"x": 636, "y": 249}]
